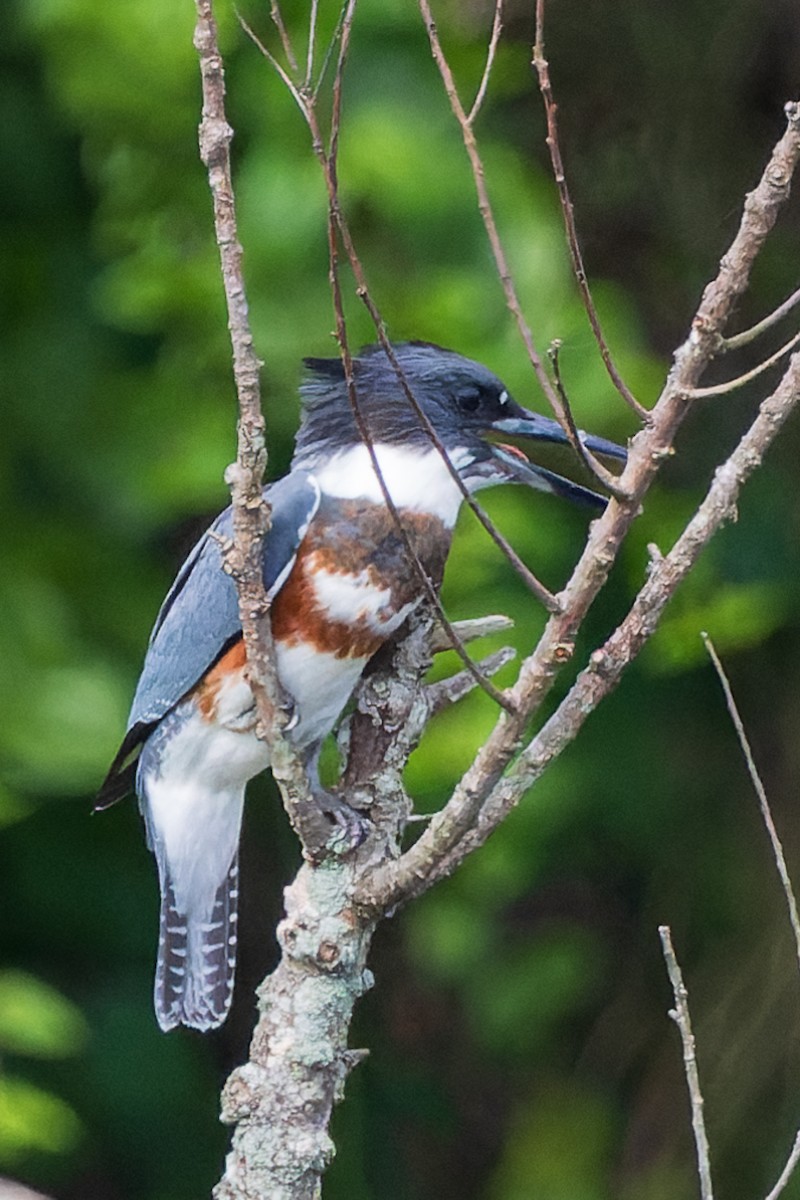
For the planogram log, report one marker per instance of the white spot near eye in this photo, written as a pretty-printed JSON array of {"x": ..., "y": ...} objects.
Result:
[{"x": 503, "y": 397}]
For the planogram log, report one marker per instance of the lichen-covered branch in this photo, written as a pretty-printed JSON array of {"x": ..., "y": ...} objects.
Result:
[{"x": 281, "y": 1100}]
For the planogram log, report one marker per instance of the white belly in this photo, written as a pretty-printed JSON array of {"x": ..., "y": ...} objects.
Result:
[
  {"x": 192, "y": 797},
  {"x": 319, "y": 684}
]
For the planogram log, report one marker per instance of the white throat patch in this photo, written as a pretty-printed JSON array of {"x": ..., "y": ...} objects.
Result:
[{"x": 416, "y": 480}]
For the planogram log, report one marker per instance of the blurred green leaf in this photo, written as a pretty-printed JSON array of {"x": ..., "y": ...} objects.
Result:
[
  {"x": 36, "y": 1020},
  {"x": 12, "y": 807},
  {"x": 31, "y": 1120},
  {"x": 737, "y": 616},
  {"x": 563, "y": 1126}
]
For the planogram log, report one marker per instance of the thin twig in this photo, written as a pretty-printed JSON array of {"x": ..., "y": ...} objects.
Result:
[
  {"x": 470, "y": 630},
  {"x": 534, "y": 585},
  {"x": 607, "y": 478},
  {"x": 280, "y": 71},
  {"x": 777, "y": 852},
  {"x": 419, "y": 567},
  {"x": 788, "y": 1170},
  {"x": 550, "y": 107},
  {"x": 680, "y": 1015},
  {"x": 348, "y": 15},
  {"x": 763, "y": 802},
  {"x": 328, "y": 162},
  {"x": 328, "y": 55},
  {"x": 277, "y": 20},
  {"x": 494, "y": 41},
  {"x": 445, "y": 692},
  {"x": 553, "y": 353},
  {"x": 749, "y": 335},
  {"x": 312, "y": 39},
  {"x": 732, "y": 385}
]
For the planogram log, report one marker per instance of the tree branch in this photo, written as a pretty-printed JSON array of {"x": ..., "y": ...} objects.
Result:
[
  {"x": 281, "y": 1100},
  {"x": 429, "y": 856},
  {"x": 251, "y": 515},
  {"x": 732, "y": 385},
  {"x": 469, "y": 819},
  {"x": 648, "y": 450}
]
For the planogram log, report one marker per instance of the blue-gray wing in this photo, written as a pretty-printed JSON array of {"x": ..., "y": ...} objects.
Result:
[{"x": 200, "y": 615}]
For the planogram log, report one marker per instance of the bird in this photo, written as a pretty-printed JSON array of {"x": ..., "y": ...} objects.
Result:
[{"x": 337, "y": 573}]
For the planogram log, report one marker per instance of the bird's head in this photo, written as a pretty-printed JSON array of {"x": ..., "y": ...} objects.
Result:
[{"x": 465, "y": 404}]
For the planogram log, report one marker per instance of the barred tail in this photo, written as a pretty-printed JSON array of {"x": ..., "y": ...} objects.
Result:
[{"x": 197, "y": 957}]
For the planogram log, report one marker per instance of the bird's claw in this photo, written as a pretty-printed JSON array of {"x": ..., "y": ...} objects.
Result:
[
  {"x": 350, "y": 827},
  {"x": 331, "y": 826}
]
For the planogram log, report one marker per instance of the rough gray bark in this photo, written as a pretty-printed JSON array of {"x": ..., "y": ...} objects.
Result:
[{"x": 281, "y": 1101}]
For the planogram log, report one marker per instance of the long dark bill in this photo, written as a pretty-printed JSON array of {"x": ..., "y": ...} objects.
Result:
[{"x": 534, "y": 427}]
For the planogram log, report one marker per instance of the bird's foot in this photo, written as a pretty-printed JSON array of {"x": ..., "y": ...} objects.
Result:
[
  {"x": 332, "y": 826},
  {"x": 349, "y": 827}
]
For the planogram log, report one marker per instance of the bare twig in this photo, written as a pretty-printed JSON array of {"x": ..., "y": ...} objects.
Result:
[
  {"x": 534, "y": 585},
  {"x": 763, "y": 802},
  {"x": 543, "y": 72},
  {"x": 607, "y": 478},
  {"x": 553, "y": 353},
  {"x": 445, "y": 692},
  {"x": 312, "y": 40},
  {"x": 277, "y": 20},
  {"x": 750, "y": 335},
  {"x": 494, "y": 40},
  {"x": 788, "y": 1170},
  {"x": 280, "y": 71},
  {"x": 470, "y": 630},
  {"x": 777, "y": 851},
  {"x": 680, "y": 1015},
  {"x": 328, "y": 55},
  {"x": 328, "y": 163},
  {"x": 335, "y": 224},
  {"x": 246, "y": 476},
  {"x": 732, "y": 385}
]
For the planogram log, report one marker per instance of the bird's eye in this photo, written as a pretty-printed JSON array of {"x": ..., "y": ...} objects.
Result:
[{"x": 469, "y": 401}]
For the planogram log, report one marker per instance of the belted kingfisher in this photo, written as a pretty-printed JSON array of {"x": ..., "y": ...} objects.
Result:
[{"x": 337, "y": 573}]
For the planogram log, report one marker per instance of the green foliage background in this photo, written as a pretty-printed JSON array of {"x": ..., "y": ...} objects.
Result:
[{"x": 520, "y": 1047}]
